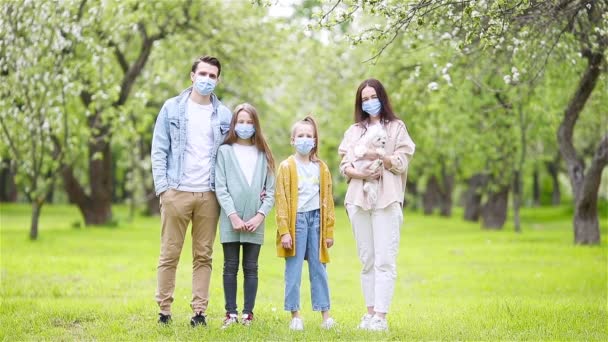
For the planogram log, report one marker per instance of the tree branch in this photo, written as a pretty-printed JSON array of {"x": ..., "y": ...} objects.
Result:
[
  {"x": 136, "y": 68},
  {"x": 11, "y": 143},
  {"x": 122, "y": 60}
]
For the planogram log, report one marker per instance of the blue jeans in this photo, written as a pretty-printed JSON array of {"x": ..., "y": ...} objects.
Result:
[{"x": 307, "y": 247}]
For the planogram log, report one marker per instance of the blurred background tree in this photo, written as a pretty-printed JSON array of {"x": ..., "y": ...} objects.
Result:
[{"x": 490, "y": 91}]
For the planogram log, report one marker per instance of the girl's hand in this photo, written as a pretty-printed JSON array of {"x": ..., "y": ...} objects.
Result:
[
  {"x": 329, "y": 242},
  {"x": 237, "y": 223},
  {"x": 286, "y": 241},
  {"x": 254, "y": 222}
]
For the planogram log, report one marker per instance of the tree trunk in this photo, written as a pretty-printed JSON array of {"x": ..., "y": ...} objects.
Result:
[
  {"x": 584, "y": 185},
  {"x": 411, "y": 195},
  {"x": 553, "y": 169},
  {"x": 586, "y": 225},
  {"x": 8, "y": 187},
  {"x": 152, "y": 204},
  {"x": 516, "y": 200},
  {"x": 494, "y": 211},
  {"x": 472, "y": 198},
  {"x": 445, "y": 201},
  {"x": 97, "y": 207},
  {"x": 36, "y": 208},
  {"x": 536, "y": 188},
  {"x": 432, "y": 196}
]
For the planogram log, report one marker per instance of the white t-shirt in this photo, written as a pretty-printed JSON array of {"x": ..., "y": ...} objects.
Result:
[
  {"x": 308, "y": 186},
  {"x": 199, "y": 143},
  {"x": 247, "y": 156}
]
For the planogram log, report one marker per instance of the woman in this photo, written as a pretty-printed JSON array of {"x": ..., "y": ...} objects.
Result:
[{"x": 376, "y": 226}]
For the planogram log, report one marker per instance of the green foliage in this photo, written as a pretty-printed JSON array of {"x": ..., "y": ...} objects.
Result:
[{"x": 455, "y": 282}]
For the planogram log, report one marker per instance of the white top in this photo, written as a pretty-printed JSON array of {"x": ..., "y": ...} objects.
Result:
[
  {"x": 199, "y": 144},
  {"x": 247, "y": 156},
  {"x": 308, "y": 186}
]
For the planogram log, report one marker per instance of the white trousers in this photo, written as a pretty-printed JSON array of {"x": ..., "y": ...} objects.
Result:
[{"x": 377, "y": 233}]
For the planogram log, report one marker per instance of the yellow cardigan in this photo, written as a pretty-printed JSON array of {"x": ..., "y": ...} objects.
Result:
[{"x": 286, "y": 207}]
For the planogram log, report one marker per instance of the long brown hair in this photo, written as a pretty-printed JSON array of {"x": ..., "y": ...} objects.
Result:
[
  {"x": 386, "y": 111},
  {"x": 309, "y": 120},
  {"x": 258, "y": 137}
]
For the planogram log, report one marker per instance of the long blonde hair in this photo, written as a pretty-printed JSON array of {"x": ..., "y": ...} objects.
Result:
[
  {"x": 258, "y": 137},
  {"x": 309, "y": 120}
]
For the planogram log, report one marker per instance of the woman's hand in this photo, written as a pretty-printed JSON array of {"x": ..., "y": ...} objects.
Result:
[
  {"x": 365, "y": 174},
  {"x": 329, "y": 242},
  {"x": 387, "y": 162},
  {"x": 371, "y": 154},
  {"x": 254, "y": 222},
  {"x": 237, "y": 222},
  {"x": 286, "y": 241}
]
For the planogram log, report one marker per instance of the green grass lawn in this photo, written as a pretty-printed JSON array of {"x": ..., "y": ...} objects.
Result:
[{"x": 455, "y": 282}]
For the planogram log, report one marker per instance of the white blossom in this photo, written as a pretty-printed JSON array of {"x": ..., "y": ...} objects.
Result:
[{"x": 433, "y": 86}]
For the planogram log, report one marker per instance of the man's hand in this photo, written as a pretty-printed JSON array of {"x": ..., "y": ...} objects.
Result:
[{"x": 263, "y": 195}]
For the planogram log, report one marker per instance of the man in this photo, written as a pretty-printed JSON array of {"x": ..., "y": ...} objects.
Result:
[{"x": 188, "y": 132}]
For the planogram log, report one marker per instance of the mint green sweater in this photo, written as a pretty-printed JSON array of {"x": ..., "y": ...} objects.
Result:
[{"x": 236, "y": 195}]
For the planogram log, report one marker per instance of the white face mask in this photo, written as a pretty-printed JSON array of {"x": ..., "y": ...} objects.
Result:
[
  {"x": 372, "y": 107},
  {"x": 204, "y": 85},
  {"x": 304, "y": 145}
]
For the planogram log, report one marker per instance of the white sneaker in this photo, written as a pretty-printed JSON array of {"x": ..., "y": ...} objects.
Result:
[
  {"x": 296, "y": 324},
  {"x": 378, "y": 324},
  {"x": 329, "y": 323},
  {"x": 229, "y": 320},
  {"x": 364, "y": 325},
  {"x": 246, "y": 319}
]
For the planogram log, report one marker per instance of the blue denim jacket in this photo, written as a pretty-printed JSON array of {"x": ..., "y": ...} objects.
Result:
[{"x": 169, "y": 140}]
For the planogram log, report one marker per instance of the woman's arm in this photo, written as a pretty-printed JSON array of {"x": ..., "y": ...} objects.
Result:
[
  {"x": 398, "y": 162},
  {"x": 366, "y": 174}
]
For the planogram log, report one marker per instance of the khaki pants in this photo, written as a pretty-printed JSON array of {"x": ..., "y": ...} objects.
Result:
[{"x": 177, "y": 209}]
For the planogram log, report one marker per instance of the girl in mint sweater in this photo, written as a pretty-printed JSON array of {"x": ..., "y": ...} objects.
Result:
[{"x": 244, "y": 186}]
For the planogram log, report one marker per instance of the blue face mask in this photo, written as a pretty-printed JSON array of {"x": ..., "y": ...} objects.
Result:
[
  {"x": 244, "y": 131},
  {"x": 204, "y": 85},
  {"x": 372, "y": 107},
  {"x": 304, "y": 145}
]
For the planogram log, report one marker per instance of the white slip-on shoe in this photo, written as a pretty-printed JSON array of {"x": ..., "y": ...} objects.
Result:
[
  {"x": 329, "y": 323},
  {"x": 378, "y": 324},
  {"x": 296, "y": 324},
  {"x": 364, "y": 324}
]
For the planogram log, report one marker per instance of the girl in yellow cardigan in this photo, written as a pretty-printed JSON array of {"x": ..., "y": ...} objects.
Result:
[{"x": 305, "y": 222}]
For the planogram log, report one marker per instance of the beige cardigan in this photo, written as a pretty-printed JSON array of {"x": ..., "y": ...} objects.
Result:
[{"x": 399, "y": 147}]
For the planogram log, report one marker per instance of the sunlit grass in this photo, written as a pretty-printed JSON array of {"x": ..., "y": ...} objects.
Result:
[{"x": 455, "y": 282}]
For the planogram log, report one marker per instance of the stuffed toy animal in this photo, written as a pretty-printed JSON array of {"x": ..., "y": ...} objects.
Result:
[{"x": 375, "y": 140}]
